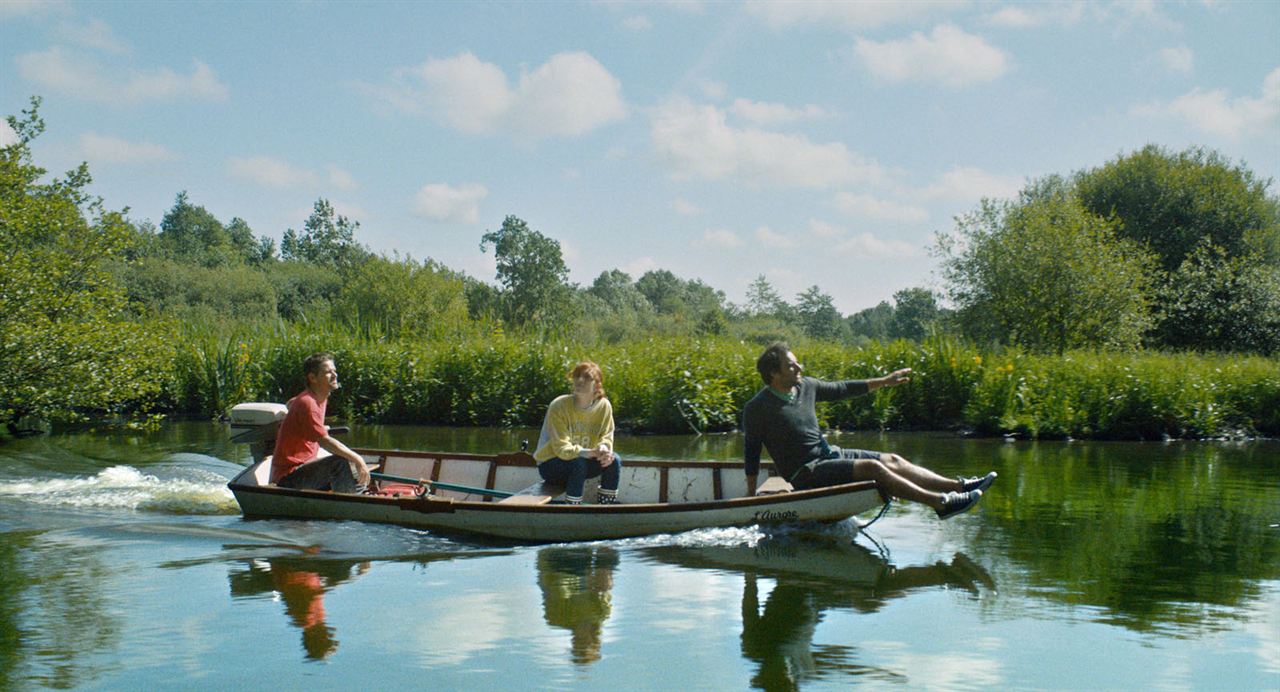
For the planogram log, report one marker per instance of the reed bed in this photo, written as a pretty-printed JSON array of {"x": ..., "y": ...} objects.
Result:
[{"x": 683, "y": 385}]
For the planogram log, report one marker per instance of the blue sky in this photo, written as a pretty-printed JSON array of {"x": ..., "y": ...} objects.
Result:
[{"x": 814, "y": 143}]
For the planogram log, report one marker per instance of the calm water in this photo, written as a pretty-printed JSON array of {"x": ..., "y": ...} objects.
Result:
[{"x": 124, "y": 564}]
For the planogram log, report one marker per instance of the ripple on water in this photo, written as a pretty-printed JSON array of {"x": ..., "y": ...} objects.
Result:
[{"x": 197, "y": 491}]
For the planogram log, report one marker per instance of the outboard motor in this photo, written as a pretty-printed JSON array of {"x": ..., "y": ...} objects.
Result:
[{"x": 255, "y": 424}]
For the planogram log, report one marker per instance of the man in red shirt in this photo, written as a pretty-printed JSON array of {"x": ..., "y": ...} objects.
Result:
[{"x": 303, "y": 433}]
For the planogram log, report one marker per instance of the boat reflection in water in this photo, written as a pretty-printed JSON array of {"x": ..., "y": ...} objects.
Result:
[
  {"x": 302, "y": 584},
  {"x": 811, "y": 577},
  {"x": 576, "y": 583}
]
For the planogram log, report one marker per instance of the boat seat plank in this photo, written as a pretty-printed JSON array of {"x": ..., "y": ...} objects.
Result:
[
  {"x": 539, "y": 493},
  {"x": 773, "y": 486}
]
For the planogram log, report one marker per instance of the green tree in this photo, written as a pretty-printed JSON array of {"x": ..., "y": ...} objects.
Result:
[
  {"x": 191, "y": 235},
  {"x": 251, "y": 250},
  {"x": 532, "y": 273},
  {"x": 915, "y": 310},
  {"x": 328, "y": 239},
  {"x": 66, "y": 343},
  {"x": 1046, "y": 273},
  {"x": 764, "y": 301},
  {"x": 874, "y": 323},
  {"x": 616, "y": 289},
  {"x": 395, "y": 298},
  {"x": 1215, "y": 302},
  {"x": 1173, "y": 202},
  {"x": 303, "y": 291},
  {"x": 818, "y": 315}
]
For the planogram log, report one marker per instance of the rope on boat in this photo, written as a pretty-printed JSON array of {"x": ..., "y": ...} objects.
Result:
[{"x": 885, "y": 508}]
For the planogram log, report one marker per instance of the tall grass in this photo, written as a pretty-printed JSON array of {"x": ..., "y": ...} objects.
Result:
[{"x": 680, "y": 385}]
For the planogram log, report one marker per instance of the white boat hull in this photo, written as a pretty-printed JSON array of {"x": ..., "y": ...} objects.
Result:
[{"x": 657, "y": 496}]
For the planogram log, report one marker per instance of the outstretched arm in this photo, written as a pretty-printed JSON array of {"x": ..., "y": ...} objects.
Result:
[{"x": 893, "y": 379}]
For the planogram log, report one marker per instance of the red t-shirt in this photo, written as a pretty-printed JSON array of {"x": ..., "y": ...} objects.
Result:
[{"x": 300, "y": 432}]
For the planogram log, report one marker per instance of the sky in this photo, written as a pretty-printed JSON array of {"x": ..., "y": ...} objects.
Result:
[{"x": 816, "y": 143}]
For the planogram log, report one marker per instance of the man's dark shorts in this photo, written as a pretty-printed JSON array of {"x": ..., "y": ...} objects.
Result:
[{"x": 835, "y": 469}]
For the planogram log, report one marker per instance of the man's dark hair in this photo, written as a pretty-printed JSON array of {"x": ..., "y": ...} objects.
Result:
[
  {"x": 771, "y": 360},
  {"x": 315, "y": 363}
]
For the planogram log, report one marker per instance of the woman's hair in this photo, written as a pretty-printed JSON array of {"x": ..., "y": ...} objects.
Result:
[{"x": 588, "y": 369}]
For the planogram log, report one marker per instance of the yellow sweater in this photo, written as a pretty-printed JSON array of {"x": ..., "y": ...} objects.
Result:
[{"x": 568, "y": 430}]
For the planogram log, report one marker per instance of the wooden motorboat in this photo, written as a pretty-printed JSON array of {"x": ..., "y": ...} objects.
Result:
[
  {"x": 656, "y": 497},
  {"x": 503, "y": 496}
]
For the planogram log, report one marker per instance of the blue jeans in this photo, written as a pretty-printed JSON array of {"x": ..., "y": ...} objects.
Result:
[
  {"x": 573, "y": 473},
  {"x": 327, "y": 473}
]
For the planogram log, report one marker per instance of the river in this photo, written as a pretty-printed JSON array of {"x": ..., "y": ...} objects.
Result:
[{"x": 125, "y": 564}]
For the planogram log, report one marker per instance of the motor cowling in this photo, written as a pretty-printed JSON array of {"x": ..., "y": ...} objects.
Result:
[{"x": 256, "y": 424}]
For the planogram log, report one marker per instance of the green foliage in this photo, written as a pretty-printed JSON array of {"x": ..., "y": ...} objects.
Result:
[
  {"x": 1174, "y": 202},
  {"x": 915, "y": 312},
  {"x": 304, "y": 292},
  {"x": 763, "y": 300},
  {"x": 818, "y": 315},
  {"x": 328, "y": 239},
  {"x": 193, "y": 292},
  {"x": 1046, "y": 274},
  {"x": 874, "y": 323},
  {"x": 67, "y": 346},
  {"x": 668, "y": 294},
  {"x": 1214, "y": 302},
  {"x": 398, "y": 298},
  {"x": 532, "y": 272},
  {"x": 191, "y": 235}
]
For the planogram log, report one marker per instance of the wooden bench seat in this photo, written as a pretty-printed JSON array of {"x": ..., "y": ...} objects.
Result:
[
  {"x": 539, "y": 493},
  {"x": 774, "y": 485}
]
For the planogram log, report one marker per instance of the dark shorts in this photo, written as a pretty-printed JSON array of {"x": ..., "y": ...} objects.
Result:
[{"x": 834, "y": 470}]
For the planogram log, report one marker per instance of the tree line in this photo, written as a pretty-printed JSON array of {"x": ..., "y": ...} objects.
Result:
[{"x": 1155, "y": 249}]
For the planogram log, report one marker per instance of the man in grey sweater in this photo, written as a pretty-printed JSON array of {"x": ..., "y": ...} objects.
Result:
[{"x": 782, "y": 418}]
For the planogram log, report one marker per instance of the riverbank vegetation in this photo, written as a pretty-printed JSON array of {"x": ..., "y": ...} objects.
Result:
[{"x": 1137, "y": 300}]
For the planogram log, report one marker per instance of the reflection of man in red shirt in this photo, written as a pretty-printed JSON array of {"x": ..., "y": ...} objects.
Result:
[
  {"x": 303, "y": 595},
  {"x": 303, "y": 433}
]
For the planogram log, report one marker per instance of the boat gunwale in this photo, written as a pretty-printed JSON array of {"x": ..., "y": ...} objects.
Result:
[{"x": 423, "y": 504}]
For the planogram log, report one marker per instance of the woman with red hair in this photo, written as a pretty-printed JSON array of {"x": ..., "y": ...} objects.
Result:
[{"x": 577, "y": 438}]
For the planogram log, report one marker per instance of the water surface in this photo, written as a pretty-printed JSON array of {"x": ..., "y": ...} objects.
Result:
[{"x": 124, "y": 563}]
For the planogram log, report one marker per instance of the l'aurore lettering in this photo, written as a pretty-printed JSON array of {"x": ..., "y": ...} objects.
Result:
[{"x": 768, "y": 516}]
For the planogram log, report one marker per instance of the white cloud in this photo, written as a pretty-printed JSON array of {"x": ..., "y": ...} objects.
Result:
[
  {"x": 32, "y": 8},
  {"x": 869, "y": 246},
  {"x": 851, "y": 16},
  {"x": 771, "y": 238},
  {"x": 443, "y": 202},
  {"x": 868, "y": 207},
  {"x": 968, "y": 185},
  {"x": 340, "y": 178},
  {"x": 1028, "y": 16},
  {"x": 835, "y": 239},
  {"x": 58, "y": 71},
  {"x": 948, "y": 55},
  {"x": 720, "y": 238},
  {"x": 568, "y": 95},
  {"x": 637, "y": 22},
  {"x": 96, "y": 34},
  {"x": 101, "y": 149},
  {"x": 639, "y": 266},
  {"x": 272, "y": 172},
  {"x": 1217, "y": 113},
  {"x": 773, "y": 114},
  {"x": 685, "y": 208},
  {"x": 712, "y": 89},
  {"x": 7, "y": 136},
  {"x": 697, "y": 142},
  {"x": 1179, "y": 59},
  {"x": 824, "y": 231}
]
